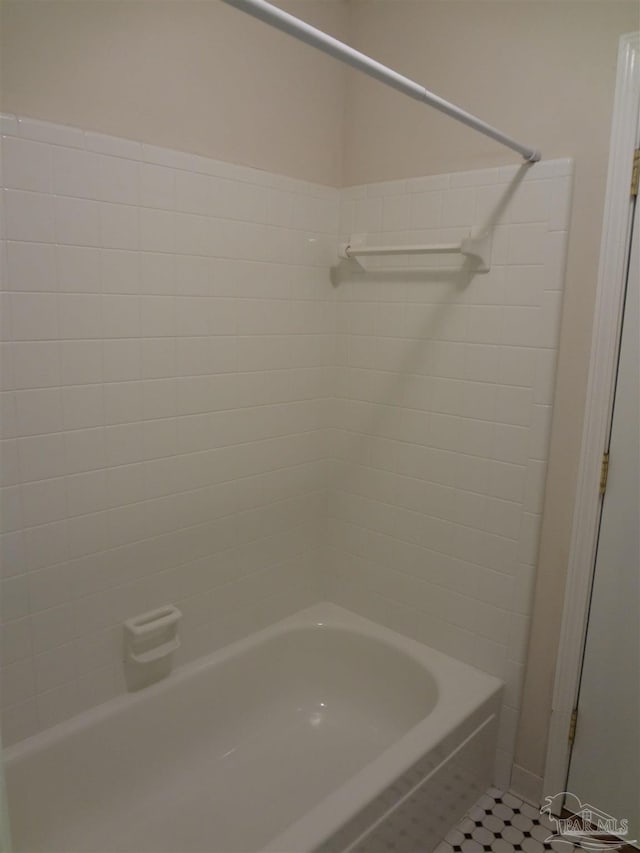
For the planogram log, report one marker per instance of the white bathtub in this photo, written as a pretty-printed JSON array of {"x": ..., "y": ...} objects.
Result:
[{"x": 323, "y": 732}]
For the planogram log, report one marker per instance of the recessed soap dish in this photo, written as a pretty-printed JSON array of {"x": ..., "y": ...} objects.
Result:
[{"x": 152, "y": 636}]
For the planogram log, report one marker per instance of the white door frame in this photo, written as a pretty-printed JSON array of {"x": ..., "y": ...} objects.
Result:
[{"x": 614, "y": 251}]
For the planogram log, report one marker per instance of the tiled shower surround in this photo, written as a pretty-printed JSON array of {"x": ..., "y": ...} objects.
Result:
[
  {"x": 444, "y": 389},
  {"x": 167, "y": 390},
  {"x": 196, "y": 410}
]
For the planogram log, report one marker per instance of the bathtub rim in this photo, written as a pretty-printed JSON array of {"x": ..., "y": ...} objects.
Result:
[
  {"x": 321, "y": 615},
  {"x": 468, "y": 699},
  {"x": 463, "y": 693}
]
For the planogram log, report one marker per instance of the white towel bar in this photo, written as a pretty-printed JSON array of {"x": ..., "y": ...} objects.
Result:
[{"x": 476, "y": 246}]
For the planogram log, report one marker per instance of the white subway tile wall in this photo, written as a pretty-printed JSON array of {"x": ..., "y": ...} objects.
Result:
[
  {"x": 188, "y": 402},
  {"x": 445, "y": 383},
  {"x": 167, "y": 372}
]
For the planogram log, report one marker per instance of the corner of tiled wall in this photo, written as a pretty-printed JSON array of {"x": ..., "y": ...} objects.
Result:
[{"x": 193, "y": 412}]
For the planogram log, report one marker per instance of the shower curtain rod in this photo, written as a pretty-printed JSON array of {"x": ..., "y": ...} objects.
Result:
[{"x": 274, "y": 16}]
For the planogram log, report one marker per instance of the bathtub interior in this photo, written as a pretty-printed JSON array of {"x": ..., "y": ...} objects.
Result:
[{"x": 234, "y": 749}]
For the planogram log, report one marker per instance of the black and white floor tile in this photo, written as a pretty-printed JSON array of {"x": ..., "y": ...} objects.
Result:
[{"x": 502, "y": 823}]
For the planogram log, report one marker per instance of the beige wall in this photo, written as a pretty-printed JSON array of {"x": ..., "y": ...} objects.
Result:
[
  {"x": 196, "y": 76},
  {"x": 543, "y": 72}
]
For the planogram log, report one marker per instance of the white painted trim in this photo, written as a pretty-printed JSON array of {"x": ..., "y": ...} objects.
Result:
[
  {"x": 526, "y": 785},
  {"x": 605, "y": 339}
]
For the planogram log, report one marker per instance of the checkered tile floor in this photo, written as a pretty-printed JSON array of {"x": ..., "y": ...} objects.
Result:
[{"x": 501, "y": 823}]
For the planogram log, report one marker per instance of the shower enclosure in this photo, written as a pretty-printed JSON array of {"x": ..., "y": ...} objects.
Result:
[{"x": 229, "y": 395}]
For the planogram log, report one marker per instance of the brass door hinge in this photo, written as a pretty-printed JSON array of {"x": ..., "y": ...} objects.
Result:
[
  {"x": 572, "y": 725},
  {"x": 604, "y": 472},
  {"x": 635, "y": 172}
]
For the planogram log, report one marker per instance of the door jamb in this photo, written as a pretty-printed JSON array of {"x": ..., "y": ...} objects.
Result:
[{"x": 614, "y": 248}]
